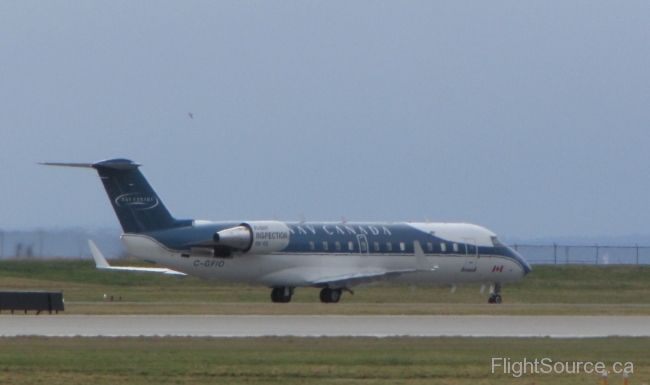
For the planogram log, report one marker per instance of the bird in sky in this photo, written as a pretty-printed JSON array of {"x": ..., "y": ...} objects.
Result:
[{"x": 191, "y": 116}]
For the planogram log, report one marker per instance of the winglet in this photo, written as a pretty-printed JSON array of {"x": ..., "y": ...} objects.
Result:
[
  {"x": 421, "y": 263},
  {"x": 100, "y": 261}
]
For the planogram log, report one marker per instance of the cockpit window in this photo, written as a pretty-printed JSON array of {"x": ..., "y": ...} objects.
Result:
[{"x": 497, "y": 242}]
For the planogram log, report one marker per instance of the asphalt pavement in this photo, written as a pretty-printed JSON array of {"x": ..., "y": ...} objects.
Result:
[{"x": 330, "y": 326}]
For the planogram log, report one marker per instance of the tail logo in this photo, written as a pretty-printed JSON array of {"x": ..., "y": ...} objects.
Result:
[{"x": 136, "y": 201}]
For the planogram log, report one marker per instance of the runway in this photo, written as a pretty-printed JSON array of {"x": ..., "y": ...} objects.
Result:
[{"x": 328, "y": 326}]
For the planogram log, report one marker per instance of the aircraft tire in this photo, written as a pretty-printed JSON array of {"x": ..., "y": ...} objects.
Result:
[
  {"x": 494, "y": 298},
  {"x": 283, "y": 297},
  {"x": 325, "y": 295},
  {"x": 278, "y": 296},
  {"x": 274, "y": 294},
  {"x": 335, "y": 295}
]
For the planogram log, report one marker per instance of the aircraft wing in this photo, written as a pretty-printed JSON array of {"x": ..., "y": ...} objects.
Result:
[
  {"x": 348, "y": 276},
  {"x": 102, "y": 264},
  {"x": 349, "y": 279}
]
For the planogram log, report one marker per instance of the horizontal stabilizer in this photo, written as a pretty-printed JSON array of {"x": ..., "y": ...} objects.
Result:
[
  {"x": 117, "y": 164},
  {"x": 82, "y": 165}
]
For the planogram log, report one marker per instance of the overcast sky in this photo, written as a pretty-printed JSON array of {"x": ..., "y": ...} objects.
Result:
[{"x": 529, "y": 118}]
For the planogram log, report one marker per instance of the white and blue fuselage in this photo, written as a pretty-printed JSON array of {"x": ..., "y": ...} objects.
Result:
[{"x": 460, "y": 253}]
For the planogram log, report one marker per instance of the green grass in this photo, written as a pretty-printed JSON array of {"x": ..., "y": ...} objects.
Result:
[
  {"x": 548, "y": 290},
  {"x": 585, "y": 284},
  {"x": 305, "y": 360}
]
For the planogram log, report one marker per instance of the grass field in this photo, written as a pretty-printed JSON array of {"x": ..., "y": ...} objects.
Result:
[
  {"x": 306, "y": 360},
  {"x": 548, "y": 290}
]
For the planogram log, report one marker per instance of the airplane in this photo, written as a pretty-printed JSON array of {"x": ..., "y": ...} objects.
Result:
[
  {"x": 102, "y": 264},
  {"x": 332, "y": 256}
]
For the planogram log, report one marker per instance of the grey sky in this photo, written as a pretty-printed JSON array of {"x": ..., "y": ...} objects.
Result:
[{"x": 530, "y": 118}]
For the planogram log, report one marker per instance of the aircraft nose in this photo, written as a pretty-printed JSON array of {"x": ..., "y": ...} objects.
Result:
[
  {"x": 525, "y": 266},
  {"x": 527, "y": 269}
]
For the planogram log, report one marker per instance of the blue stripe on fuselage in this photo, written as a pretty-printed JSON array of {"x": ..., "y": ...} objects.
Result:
[{"x": 310, "y": 238}]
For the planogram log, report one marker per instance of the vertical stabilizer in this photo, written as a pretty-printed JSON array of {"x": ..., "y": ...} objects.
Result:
[{"x": 136, "y": 204}]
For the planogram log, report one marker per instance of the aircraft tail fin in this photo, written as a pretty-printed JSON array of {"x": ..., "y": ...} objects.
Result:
[{"x": 136, "y": 204}]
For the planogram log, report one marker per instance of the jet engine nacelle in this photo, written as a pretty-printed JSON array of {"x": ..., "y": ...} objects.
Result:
[{"x": 259, "y": 237}]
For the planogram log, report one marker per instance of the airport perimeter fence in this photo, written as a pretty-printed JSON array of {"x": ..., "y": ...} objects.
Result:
[{"x": 586, "y": 255}]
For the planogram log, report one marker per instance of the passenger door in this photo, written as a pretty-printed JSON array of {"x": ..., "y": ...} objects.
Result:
[
  {"x": 471, "y": 256},
  {"x": 363, "y": 244}
]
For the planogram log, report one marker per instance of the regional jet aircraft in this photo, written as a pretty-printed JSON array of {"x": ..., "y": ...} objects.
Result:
[{"x": 332, "y": 256}]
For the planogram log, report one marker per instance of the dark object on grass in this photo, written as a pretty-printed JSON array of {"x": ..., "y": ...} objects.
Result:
[{"x": 31, "y": 300}]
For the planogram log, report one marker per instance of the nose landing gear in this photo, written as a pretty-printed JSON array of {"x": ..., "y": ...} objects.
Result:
[{"x": 495, "y": 291}]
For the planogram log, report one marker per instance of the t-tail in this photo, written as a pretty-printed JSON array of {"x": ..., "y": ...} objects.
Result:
[{"x": 136, "y": 204}]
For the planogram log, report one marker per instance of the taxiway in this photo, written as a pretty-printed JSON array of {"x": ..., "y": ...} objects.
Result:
[{"x": 329, "y": 326}]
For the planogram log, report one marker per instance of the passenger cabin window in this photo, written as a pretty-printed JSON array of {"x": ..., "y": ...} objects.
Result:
[
  {"x": 455, "y": 247},
  {"x": 311, "y": 245},
  {"x": 364, "y": 246},
  {"x": 429, "y": 246},
  {"x": 376, "y": 246},
  {"x": 389, "y": 246},
  {"x": 350, "y": 246},
  {"x": 443, "y": 247},
  {"x": 325, "y": 246},
  {"x": 337, "y": 246},
  {"x": 402, "y": 246}
]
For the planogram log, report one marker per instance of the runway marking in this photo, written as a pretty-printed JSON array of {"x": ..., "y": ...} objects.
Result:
[{"x": 324, "y": 326}]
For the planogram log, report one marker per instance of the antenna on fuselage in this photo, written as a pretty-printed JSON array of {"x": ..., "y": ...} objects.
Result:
[
  {"x": 302, "y": 218},
  {"x": 343, "y": 219}
]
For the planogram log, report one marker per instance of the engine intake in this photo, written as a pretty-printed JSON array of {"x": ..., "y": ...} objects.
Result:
[{"x": 259, "y": 237}]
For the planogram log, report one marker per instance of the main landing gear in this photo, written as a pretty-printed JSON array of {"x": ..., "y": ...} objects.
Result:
[
  {"x": 281, "y": 294},
  {"x": 495, "y": 296},
  {"x": 328, "y": 295}
]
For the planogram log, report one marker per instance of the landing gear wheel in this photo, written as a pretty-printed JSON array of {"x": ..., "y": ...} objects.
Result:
[
  {"x": 324, "y": 295},
  {"x": 495, "y": 297},
  {"x": 328, "y": 295},
  {"x": 335, "y": 295},
  {"x": 275, "y": 294},
  {"x": 281, "y": 294}
]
